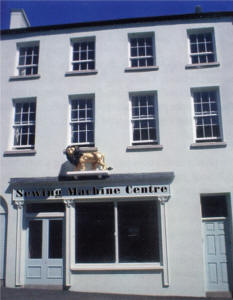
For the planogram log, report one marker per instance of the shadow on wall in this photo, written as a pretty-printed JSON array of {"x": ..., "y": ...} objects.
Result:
[{"x": 3, "y": 230}]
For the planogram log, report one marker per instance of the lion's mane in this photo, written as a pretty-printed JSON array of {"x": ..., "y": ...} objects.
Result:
[{"x": 73, "y": 157}]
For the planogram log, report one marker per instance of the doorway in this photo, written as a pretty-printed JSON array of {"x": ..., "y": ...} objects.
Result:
[
  {"x": 44, "y": 254},
  {"x": 217, "y": 243}
]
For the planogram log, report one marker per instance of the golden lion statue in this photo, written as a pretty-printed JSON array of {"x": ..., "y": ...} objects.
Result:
[{"x": 80, "y": 159}]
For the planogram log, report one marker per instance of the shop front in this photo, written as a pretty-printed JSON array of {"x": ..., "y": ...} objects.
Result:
[{"x": 112, "y": 223}]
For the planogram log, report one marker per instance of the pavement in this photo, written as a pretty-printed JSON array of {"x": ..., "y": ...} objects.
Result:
[{"x": 46, "y": 294}]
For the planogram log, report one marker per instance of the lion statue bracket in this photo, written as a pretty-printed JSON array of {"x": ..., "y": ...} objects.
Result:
[{"x": 81, "y": 159}]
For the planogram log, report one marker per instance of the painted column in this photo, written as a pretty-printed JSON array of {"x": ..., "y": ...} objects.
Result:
[
  {"x": 69, "y": 204},
  {"x": 163, "y": 201},
  {"x": 19, "y": 266}
]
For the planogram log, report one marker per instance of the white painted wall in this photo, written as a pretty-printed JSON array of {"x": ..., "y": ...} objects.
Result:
[{"x": 196, "y": 171}]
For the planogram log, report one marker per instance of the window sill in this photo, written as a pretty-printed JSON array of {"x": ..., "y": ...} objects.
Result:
[
  {"x": 116, "y": 267},
  {"x": 85, "y": 149},
  {"x": 144, "y": 147},
  {"x": 80, "y": 73},
  {"x": 200, "y": 66},
  {"x": 208, "y": 145},
  {"x": 141, "y": 69},
  {"x": 19, "y": 152},
  {"x": 28, "y": 77}
]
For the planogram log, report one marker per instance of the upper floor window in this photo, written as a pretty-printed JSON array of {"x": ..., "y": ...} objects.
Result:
[
  {"x": 28, "y": 59},
  {"x": 144, "y": 119},
  {"x": 202, "y": 47},
  {"x": 207, "y": 116},
  {"x": 24, "y": 124},
  {"x": 82, "y": 121},
  {"x": 83, "y": 56},
  {"x": 141, "y": 50}
]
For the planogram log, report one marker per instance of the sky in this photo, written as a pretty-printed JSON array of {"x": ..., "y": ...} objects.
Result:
[{"x": 53, "y": 12}]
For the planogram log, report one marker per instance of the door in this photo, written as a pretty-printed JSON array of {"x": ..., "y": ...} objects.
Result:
[
  {"x": 44, "y": 257},
  {"x": 217, "y": 254}
]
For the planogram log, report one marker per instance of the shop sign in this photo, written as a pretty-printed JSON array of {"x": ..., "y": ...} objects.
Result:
[{"x": 80, "y": 192}]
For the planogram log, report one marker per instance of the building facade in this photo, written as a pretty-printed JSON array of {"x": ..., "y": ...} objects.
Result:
[{"x": 155, "y": 96}]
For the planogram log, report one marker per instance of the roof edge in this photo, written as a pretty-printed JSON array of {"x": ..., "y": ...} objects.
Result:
[{"x": 119, "y": 22}]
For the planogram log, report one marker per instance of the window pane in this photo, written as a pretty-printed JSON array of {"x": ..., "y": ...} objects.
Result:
[
  {"x": 210, "y": 58},
  {"x": 133, "y": 42},
  {"x": 208, "y": 131},
  {"x": 194, "y": 59},
  {"x": 76, "y": 56},
  {"x": 193, "y": 48},
  {"x": 216, "y": 131},
  {"x": 149, "y": 61},
  {"x": 91, "y": 65},
  {"x": 148, "y": 50},
  {"x": 209, "y": 47},
  {"x": 138, "y": 232},
  {"x": 199, "y": 132},
  {"x": 91, "y": 55},
  {"x": 55, "y": 239},
  {"x": 83, "y": 55},
  {"x": 95, "y": 233},
  {"x": 202, "y": 58},
  {"x": 31, "y": 139},
  {"x": 214, "y": 206},
  {"x": 45, "y": 207},
  {"x": 201, "y": 47},
  {"x": 142, "y": 62},
  {"x": 83, "y": 66},
  {"x": 29, "y": 60},
  {"x": 134, "y": 62},
  {"x": 133, "y": 51},
  {"x": 142, "y": 51},
  {"x": 35, "y": 239}
]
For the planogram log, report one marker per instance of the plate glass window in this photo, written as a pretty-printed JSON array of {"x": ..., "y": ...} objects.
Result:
[
  {"x": 143, "y": 119},
  {"x": 83, "y": 55},
  {"x": 202, "y": 48},
  {"x": 24, "y": 125},
  {"x": 28, "y": 60},
  {"x": 141, "y": 52},
  {"x": 82, "y": 121},
  {"x": 206, "y": 115},
  {"x": 117, "y": 232}
]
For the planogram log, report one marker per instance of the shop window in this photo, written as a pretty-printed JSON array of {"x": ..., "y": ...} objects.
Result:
[
  {"x": 95, "y": 233},
  {"x": 120, "y": 232},
  {"x": 138, "y": 232},
  {"x": 214, "y": 206}
]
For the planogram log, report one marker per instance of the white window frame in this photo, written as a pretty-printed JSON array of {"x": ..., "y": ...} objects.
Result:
[
  {"x": 23, "y": 124},
  {"x": 141, "y": 35},
  {"x": 21, "y": 69},
  {"x": 203, "y": 31},
  {"x": 162, "y": 266},
  {"x": 80, "y": 60},
  {"x": 207, "y": 114},
  {"x": 124, "y": 265},
  {"x": 153, "y": 118},
  {"x": 88, "y": 97}
]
